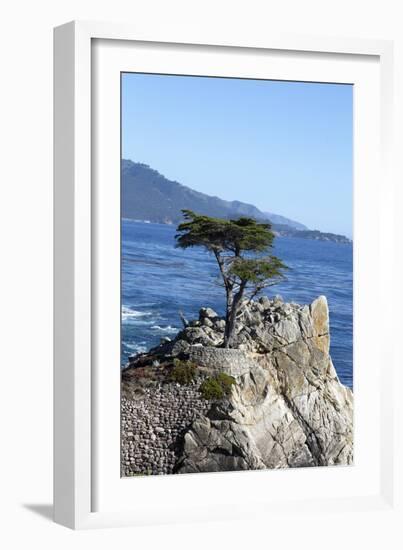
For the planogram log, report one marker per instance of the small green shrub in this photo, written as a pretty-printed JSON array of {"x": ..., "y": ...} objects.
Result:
[
  {"x": 183, "y": 372},
  {"x": 226, "y": 382},
  {"x": 211, "y": 389},
  {"x": 217, "y": 387}
]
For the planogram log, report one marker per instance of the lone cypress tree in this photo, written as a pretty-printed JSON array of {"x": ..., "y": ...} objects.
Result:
[{"x": 238, "y": 246}]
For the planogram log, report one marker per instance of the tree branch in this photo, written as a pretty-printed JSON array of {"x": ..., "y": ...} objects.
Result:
[{"x": 221, "y": 266}]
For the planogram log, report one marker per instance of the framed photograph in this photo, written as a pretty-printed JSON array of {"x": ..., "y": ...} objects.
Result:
[{"x": 222, "y": 216}]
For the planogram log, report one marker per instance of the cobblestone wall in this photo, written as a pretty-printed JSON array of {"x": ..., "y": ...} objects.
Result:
[{"x": 152, "y": 423}]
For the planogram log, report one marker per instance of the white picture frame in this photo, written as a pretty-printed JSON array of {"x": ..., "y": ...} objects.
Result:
[{"x": 87, "y": 492}]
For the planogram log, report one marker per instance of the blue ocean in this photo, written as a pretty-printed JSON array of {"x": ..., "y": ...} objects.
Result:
[{"x": 159, "y": 280}]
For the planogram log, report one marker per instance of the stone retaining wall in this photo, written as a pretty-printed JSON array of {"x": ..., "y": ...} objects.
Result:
[
  {"x": 152, "y": 423},
  {"x": 231, "y": 361}
]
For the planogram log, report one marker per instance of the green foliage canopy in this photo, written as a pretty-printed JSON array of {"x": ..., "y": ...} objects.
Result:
[{"x": 216, "y": 234}]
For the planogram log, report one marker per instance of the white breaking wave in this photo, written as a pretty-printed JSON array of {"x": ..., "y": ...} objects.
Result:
[
  {"x": 169, "y": 329},
  {"x": 128, "y": 313},
  {"x": 137, "y": 348}
]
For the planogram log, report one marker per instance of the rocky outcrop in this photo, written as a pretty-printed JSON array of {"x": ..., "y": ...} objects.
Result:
[{"x": 287, "y": 407}]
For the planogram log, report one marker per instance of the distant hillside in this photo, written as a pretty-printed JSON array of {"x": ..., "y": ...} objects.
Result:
[
  {"x": 148, "y": 195},
  {"x": 281, "y": 220},
  {"x": 312, "y": 235}
]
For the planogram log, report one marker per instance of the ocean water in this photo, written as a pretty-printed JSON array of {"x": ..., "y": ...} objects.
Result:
[{"x": 159, "y": 280}]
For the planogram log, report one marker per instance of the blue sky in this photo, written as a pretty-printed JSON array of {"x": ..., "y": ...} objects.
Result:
[{"x": 285, "y": 147}]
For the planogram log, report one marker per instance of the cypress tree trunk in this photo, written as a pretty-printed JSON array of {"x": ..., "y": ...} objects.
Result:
[
  {"x": 230, "y": 318},
  {"x": 229, "y": 328},
  {"x": 227, "y": 331}
]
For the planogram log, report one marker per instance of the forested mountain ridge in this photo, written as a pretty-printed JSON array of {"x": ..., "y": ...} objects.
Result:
[{"x": 147, "y": 195}]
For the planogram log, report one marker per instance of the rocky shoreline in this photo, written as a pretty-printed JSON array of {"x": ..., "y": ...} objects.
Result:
[{"x": 284, "y": 406}]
